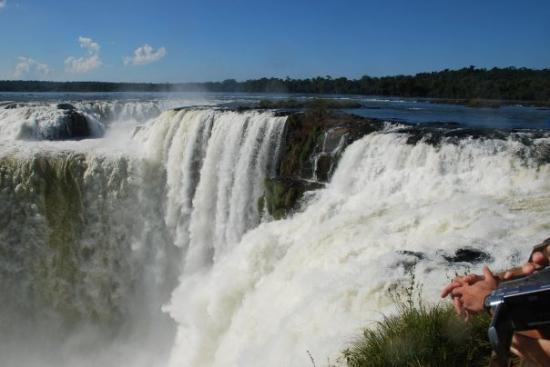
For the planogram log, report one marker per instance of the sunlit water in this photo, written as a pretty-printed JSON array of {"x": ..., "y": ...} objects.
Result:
[{"x": 145, "y": 245}]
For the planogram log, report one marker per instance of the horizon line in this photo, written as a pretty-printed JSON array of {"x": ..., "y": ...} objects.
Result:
[{"x": 328, "y": 76}]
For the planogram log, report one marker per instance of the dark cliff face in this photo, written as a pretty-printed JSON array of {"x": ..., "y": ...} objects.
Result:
[
  {"x": 312, "y": 145},
  {"x": 315, "y": 139}
]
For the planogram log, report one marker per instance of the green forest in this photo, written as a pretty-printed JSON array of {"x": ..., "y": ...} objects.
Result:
[{"x": 520, "y": 84}]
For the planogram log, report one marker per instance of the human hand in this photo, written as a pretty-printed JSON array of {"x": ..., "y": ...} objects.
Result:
[
  {"x": 458, "y": 282},
  {"x": 539, "y": 259},
  {"x": 534, "y": 350},
  {"x": 471, "y": 297}
]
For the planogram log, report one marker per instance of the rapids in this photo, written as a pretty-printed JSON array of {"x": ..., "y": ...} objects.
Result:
[{"x": 145, "y": 246}]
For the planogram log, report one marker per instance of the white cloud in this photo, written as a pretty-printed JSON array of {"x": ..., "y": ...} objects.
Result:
[
  {"x": 89, "y": 44},
  {"x": 145, "y": 55},
  {"x": 86, "y": 63},
  {"x": 3, "y": 3},
  {"x": 82, "y": 64},
  {"x": 29, "y": 68}
]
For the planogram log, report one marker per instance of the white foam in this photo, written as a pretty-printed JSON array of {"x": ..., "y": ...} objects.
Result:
[
  {"x": 311, "y": 282},
  {"x": 250, "y": 293}
]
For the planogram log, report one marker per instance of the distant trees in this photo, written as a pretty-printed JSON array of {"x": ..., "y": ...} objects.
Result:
[{"x": 466, "y": 83}]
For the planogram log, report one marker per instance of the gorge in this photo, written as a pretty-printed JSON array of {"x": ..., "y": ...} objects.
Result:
[{"x": 185, "y": 233}]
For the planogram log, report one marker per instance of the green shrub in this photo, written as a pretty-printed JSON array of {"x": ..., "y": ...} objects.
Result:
[{"x": 420, "y": 335}]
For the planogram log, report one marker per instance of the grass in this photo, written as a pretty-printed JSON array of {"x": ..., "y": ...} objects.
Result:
[{"x": 422, "y": 335}]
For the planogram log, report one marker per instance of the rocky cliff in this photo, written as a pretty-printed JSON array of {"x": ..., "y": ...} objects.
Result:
[{"x": 312, "y": 144}]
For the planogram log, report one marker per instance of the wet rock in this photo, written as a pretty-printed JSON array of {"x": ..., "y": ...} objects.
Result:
[
  {"x": 65, "y": 106},
  {"x": 469, "y": 255},
  {"x": 408, "y": 260},
  {"x": 305, "y": 133},
  {"x": 541, "y": 153},
  {"x": 417, "y": 254},
  {"x": 324, "y": 166},
  {"x": 327, "y": 152},
  {"x": 76, "y": 127},
  {"x": 309, "y": 153},
  {"x": 70, "y": 126},
  {"x": 282, "y": 195}
]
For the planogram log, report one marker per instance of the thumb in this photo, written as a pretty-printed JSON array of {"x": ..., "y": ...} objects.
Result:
[
  {"x": 539, "y": 259},
  {"x": 488, "y": 274}
]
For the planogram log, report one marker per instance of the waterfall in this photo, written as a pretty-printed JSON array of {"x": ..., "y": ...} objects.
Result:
[
  {"x": 144, "y": 245},
  {"x": 109, "y": 231},
  {"x": 309, "y": 283},
  {"x": 215, "y": 166}
]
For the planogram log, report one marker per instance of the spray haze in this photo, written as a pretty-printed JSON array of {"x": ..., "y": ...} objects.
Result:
[{"x": 145, "y": 245}]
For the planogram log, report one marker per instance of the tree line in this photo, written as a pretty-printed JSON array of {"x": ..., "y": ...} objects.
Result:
[{"x": 466, "y": 83}]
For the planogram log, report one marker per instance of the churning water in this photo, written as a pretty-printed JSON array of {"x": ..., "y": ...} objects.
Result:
[{"x": 145, "y": 246}]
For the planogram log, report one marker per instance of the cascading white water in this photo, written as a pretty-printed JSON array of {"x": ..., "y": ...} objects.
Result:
[
  {"x": 113, "y": 228},
  {"x": 308, "y": 284},
  {"x": 161, "y": 214},
  {"x": 215, "y": 163},
  {"x": 41, "y": 119}
]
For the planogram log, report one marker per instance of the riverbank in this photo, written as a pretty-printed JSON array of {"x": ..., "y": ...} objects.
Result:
[{"x": 491, "y": 103}]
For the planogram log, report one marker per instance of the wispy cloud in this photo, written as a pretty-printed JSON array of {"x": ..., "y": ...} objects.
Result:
[
  {"x": 145, "y": 55},
  {"x": 30, "y": 68},
  {"x": 89, "y": 44},
  {"x": 3, "y": 3},
  {"x": 86, "y": 63}
]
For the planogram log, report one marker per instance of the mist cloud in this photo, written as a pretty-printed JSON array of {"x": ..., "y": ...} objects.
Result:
[
  {"x": 145, "y": 55},
  {"x": 3, "y": 3},
  {"x": 86, "y": 63}
]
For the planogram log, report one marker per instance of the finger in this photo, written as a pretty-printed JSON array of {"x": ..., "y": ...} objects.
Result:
[
  {"x": 516, "y": 352},
  {"x": 448, "y": 289},
  {"x": 518, "y": 345},
  {"x": 469, "y": 279},
  {"x": 514, "y": 272},
  {"x": 538, "y": 258},
  {"x": 528, "y": 268},
  {"x": 458, "y": 280},
  {"x": 488, "y": 274},
  {"x": 457, "y": 292},
  {"x": 514, "y": 345},
  {"x": 458, "y": 306},
  {"x": 474, "y": 278}
]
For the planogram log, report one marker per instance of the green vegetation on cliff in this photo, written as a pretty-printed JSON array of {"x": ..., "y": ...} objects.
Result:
[
  {"x": 303, "y": 133},
  {"x": 281, "y": 195},
  {"x": 421, "y": 335},
  {"x": 307, "y": 160}
]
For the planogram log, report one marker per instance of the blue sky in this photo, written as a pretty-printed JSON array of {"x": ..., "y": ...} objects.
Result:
[{"x": 203, "y": 40}]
